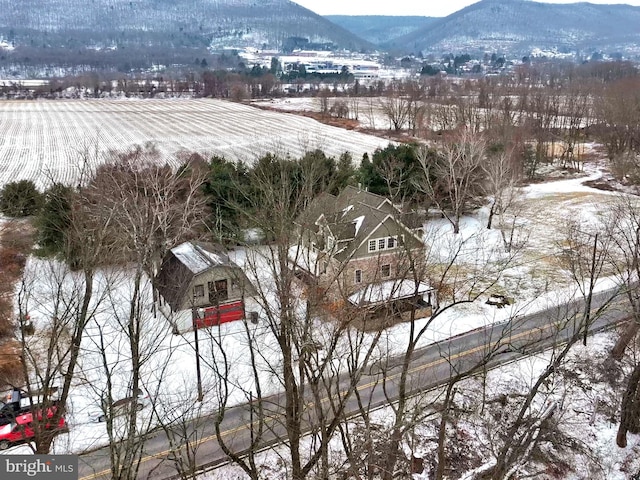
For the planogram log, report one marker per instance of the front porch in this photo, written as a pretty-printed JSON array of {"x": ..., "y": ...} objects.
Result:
[{"x": 388, "y": 303}]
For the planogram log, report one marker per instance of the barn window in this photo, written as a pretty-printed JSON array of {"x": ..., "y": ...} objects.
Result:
[
  {"x": 358, "y": 276},
  {"x": 218, "y": 291},
  {"x": 198, "y": 291}
]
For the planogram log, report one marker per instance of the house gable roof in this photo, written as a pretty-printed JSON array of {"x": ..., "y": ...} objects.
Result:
[
  {"x": 350, "y": 218},
  {"x": 199, "y": 257}
]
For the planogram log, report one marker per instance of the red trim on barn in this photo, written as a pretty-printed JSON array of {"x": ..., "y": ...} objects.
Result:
[{"x": 229, "y": 312}]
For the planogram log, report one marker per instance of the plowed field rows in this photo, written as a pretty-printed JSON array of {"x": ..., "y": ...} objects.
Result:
[{"x": 44, "y": 141}]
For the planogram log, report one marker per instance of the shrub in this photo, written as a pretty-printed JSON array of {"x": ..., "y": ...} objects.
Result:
[{"x": 20, "y": 199}]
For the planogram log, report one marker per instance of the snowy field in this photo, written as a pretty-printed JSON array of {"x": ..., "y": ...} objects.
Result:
[
  {"x": 45, "y": 140},
  {"x": 367, "y": 110},
  {"x": 370, "y": 111}
]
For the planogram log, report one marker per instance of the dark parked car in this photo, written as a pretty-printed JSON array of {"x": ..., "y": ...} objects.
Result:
[
  {"x": 9, "y": 412},
  {"x": 13, "y": 407}
]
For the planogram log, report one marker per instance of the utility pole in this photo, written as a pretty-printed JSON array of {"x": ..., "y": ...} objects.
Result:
[
  {"x": 194, "y": 317},
  {"x": 591, "y": 285}
]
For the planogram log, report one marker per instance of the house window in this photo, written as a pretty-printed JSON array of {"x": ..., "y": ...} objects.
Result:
[
  {"x": 385, "y": 243},
  {"x": 198, "y": 291},
  {"x": 385, "y": 270},
  {"x": 358, "y": 276},
  {"x": 218, "y": 291}
]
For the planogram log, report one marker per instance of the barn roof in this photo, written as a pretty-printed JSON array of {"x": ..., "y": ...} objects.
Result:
[{"x": 199, "y": 256}]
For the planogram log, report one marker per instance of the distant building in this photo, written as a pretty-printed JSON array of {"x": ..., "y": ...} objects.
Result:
[{"x": 199, "y": 286}]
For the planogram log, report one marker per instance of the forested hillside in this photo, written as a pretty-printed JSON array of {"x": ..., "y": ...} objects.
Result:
[
  {"x": 381, "y": 29},
  {"x": 141, "y": 28},
  {"x": 521, "y": 25}
]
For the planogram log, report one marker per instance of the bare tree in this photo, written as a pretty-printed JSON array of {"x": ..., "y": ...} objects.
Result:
[
  {"x": 310, "y": 360},
  {"x": 524, "y": 431},
  {"x": 150, "y": 208},
  {"x": 453, "y": 289},
  {"x": 403, "y": 105},
  {"x": 625, "y": 233},
  {"x": 616, "y": 111},
  {"x": 395, "y": 106},
  {"x": 451, "y": 181},
  {"x": 500, "y": 183},
  {"x": 66, "y": 307},
  {"x": 574, "y": 121}
]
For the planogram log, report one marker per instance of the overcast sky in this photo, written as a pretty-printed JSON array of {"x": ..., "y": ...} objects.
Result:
[{"x": 427, "y": 8}]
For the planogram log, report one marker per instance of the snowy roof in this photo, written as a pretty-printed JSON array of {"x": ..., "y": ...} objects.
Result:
[
  {"x": 376, "y": 293},
  {"x": 350, "y": 218},
  {"x": 197, "y": 258}
]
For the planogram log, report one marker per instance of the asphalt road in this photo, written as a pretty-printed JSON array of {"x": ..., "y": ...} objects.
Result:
[{"x": 431, "y": 366}]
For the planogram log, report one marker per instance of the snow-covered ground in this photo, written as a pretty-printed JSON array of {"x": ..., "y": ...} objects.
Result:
[
  {"x": 581, "y": 393},
  {"x": 368, "y": 111},
  {"x": 169, "y": 373}
]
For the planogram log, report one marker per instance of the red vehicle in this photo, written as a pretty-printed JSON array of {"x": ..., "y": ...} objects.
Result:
[{"x": 22, "y": 429}]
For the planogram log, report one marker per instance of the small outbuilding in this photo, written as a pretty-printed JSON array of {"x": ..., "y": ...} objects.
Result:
[{"x": 199, "y": 286}]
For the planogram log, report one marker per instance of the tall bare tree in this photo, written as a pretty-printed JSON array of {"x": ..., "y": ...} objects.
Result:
[
  {"x": 150, "y": 208},
  {"x": 310, "y": 361},
  {"x": 501, "y": 177},
  {"x": 452, "y": 180}
]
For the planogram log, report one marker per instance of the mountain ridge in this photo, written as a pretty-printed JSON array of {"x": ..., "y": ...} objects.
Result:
[
  {"x": 380, "y": 29},
  {"x": 520, "y": 25},
  {"x": 67, "y": 23}
]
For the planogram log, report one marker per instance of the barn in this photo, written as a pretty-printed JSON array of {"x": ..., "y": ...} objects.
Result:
[{"x": 199, "y": 286}]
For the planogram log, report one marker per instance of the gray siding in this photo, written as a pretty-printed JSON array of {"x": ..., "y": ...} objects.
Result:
[{"x": 238, "y": 286}]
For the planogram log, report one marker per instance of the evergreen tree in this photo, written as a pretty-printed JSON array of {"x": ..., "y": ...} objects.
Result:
[
  {"x": 20, "y": 199},
  {"x": 54, "y": 219},
  {"x": 223, "y": 188}
]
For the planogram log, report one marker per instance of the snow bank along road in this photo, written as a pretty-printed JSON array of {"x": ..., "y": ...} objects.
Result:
[
  {"x": 431, "y": 366},
  {"x": 47, "y": 141}
]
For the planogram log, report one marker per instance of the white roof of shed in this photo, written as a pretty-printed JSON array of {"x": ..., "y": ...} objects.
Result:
[{"x": 198, "y": 259}]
